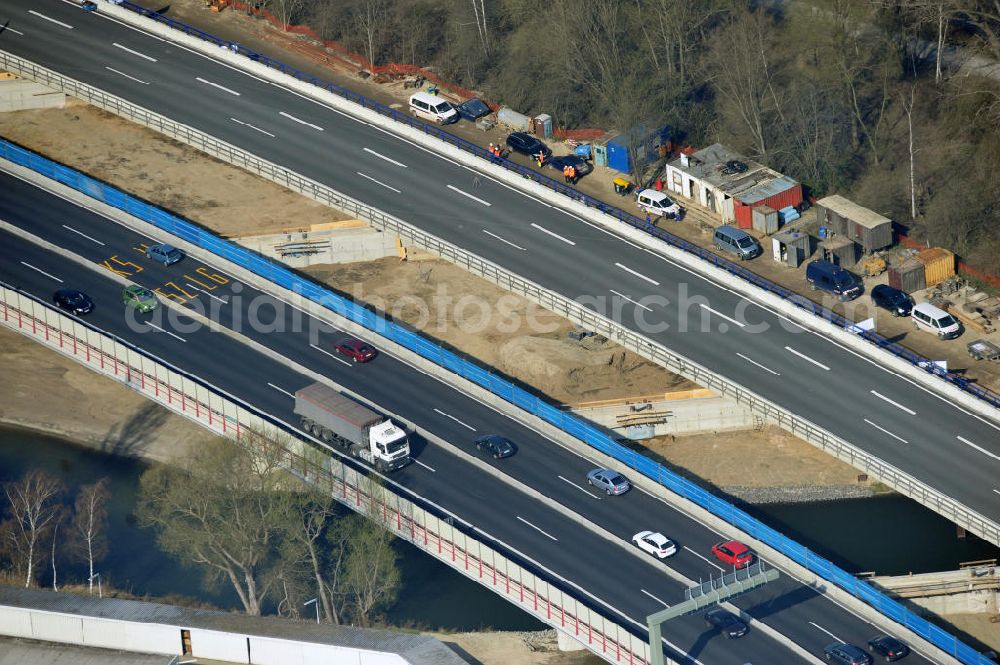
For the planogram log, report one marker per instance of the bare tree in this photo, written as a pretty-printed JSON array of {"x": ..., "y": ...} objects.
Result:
[
  {"x": 371, "y": 19},
  {"x": 315, "y": 514},
  {"x": 371, "y": 573},
  {"x": 34, "y": 510},
  {"x": 908, "y": 107},
  {"x": 285, "y": 11},
  {"x": 90, "y": 525}
]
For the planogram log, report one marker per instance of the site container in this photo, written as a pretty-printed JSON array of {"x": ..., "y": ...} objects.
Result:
[
  {"x": 908, "y": 276},
  {"x": 939, "y": 265},
  {"x": 510, "y": 118},
  {"x": 765, "y": 219}
]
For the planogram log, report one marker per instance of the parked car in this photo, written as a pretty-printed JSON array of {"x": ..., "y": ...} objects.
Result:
[
  {"x": 609, "y": 480},
  {"x": 140, "y": 299},
  {"x": 473, "y": 109},
  {"x": 497, "y": 446},
  {"x": 526, "y": 144},
  {"x": 582, "y": 166},
  {"x": 657, "y": 203},
  {"x": 736, "y": 241},
  {"x": 165, "y": 254},
  {"x": 892, "y": 299},
  {"x": 846, "y": 654},
  {"x": 357, "y": 350},
  {"x": 888, "y": 647},
  {"x": 726, "y": 623},
  {"x": 733, "y": 552},
  {"x": 655, "y": 543},
  {"x": 73, "y": 301},
  {"x": 929, "y": 318},
  {"x": 831, "y": 278}
]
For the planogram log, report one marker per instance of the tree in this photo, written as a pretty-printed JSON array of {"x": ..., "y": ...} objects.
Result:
[
  {"x": 286, "y": 11},
  {"x": 371, "y": 19},
  {"x": 34, "y": 509},
  {"x": 371, "y": 572},
  {"x": 90, "y": 525},
  {"x": 323, "y": 555}
]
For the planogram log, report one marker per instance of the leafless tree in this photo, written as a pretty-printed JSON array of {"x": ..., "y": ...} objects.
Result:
[
  {"x": 371, "y": 19},
  {"x": 90, "y": 524},
  {"x": 285, "y": 11},
  {"x": 34, "y": 509}
]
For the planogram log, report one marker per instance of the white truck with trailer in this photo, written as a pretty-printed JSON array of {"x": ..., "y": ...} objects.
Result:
[{"x": 339, "y": 420}]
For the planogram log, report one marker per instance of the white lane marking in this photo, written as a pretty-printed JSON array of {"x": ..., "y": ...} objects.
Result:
[
  {"x": 826, "y": 631},
  {"x": 381, "y": 156},
  {"x": 537, "y": 529},
  {"x": 895, "y": 404},
  {"x": 81, "y": 233},
  {"x": 582, "y": 489},
  {"x": 429, "y": 468},
  {"x": 222, "y": 300},
  {"x": 50, "y": 276},
  {"x": 554, "y": 235},
  {"x": 378, "y": 182},
  {"x": 334, "y": 356},
  {"x": 156, "y": 327},
  {"x": 216, "y": 85},
  {"x": 638, "y": 274},
  {"x": 141, "y": 55},
  {"x": 301, "y": 121},
  {"x": 997, "y": 491},
  {"x": 654, "y": 598},
  {"x": 506, "y": 241},
  {"x": 754, "y": 362},
  {"x": 247, "y": 124},
  {"x": 9, "y": 29},
  {"x": 281, "y": 390},
  {"x": 112, "y": 69},
  {"x": 885, "y": 431},
  {"x": 637, "y": 304},
  {"x": 474, "y": 198},
  {"x": 982, "y": 450},
  {"x": 727, "y": 318},
  {"x": 807, "y": 358},
  {"x": 448, "y": 415},
  {"x": 706, "y": 560},
  {"x": 49, "y": 18}
]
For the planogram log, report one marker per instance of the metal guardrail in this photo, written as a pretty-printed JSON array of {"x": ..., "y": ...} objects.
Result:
[{"x": 472, "y": 552}]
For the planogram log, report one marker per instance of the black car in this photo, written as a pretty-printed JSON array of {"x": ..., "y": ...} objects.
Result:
[
  {"x": 892, "y": 299},
  {"x": 526, "y": 144},
  {"x": 726, "y": 623},
  {"x": 582, "y": 166},
  {"x": 473, "y": 109},
  {"x": 497, "y": 446},
  {"x": 73, "y": 301},
  {"x": 846, "y": 654},
  {"x": 888, "y": 647}
]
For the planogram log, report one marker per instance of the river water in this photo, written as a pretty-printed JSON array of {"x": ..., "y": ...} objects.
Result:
[{"x": 888, "y": 535}]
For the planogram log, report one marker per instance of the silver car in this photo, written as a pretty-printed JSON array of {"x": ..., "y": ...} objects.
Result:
[{"x": 609, "y": 480}]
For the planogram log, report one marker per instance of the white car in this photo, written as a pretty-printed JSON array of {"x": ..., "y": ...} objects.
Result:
[
  {"x": 655, "y": 543},
  {"x": 657, "y": 203}
]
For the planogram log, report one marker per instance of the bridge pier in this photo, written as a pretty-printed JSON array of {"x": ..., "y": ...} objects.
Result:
[{"x": 567, "y": 643}]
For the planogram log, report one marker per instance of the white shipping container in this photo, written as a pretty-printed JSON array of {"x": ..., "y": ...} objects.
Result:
[
  {"x": 218, "y": 646},
  {"x": 268, "y": 651},
  {"x": 47, "y": 626},
  {"x": 15, "y": 622},
  {"x": 131, "y": 636},
  {"x": 324, "y": 654},
  {"x": 511, "y": 118}
]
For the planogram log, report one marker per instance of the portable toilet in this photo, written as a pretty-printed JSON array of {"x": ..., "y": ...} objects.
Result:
[
  {"x": 600, "y": 154},
  {"x": 542, "y": 126},
  {"x": 618, "y": 157}
]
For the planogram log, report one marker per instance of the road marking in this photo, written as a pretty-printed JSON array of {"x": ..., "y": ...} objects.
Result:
[
  {"x": 474, "y": 198},
  {"x": 554, "y": 235},
  {"x": 81, "y": 233},
  {"x": 216, "y": 85},
  {"x": 885, "y": 431},
  {"x": 637, "y": 304},
  {"x": 8, "y": 28},
  {"x": 191, "y": 286},
  {"x": 448, "y": 415},
  {"x": 506, "y": 241},
  {"x": 151, "y": 325},
  {"x": 301, "y": 121},
  {"x": 112, "y": 69},
  {"x": 731, "y": 320},
  {"x": 281, "y": 390},
  {"x": 997, "y": 491},
  {"x": 703, "y": 558},
  {"x": 826, "y": 631},
  {"x": 247, "y": 124},
  {"x": 807, "y": 358},
  {"x": 429, "y": 468},
  {"x": 582, "y": 489},
  {"x": 334, "y": 356},
  {"x": 49, "y": 18},
  {"x": 537, "y": 529},
  {"x": 141, "y": 55},
  {"x": 41, "y": 271},
  {"x": 378, "y": 182},
  {"x": 637, "y": 274},
  {"x": 754, "y": 362},
  {"x": 381, "y": 156},
  {"x": 895, "y": 404},
  {"x": 982, "y": 450},
  {"x": 654, "y": 598}
]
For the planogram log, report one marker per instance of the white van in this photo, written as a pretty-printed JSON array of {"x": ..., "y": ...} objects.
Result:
[
  {"x": 657, "y": 203},
  {"x": 432, "y": 107},
  {"x": 927, "y": 317}
]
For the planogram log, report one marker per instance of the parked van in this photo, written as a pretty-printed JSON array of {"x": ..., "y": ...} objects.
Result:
[
  {"x": 926, "y": 316},
  {"x": 432, "y": 107},
  {"x": 737, "y": 241},
  {"x": 831, "y": 278},
  {"x": 657, "y": 203}
]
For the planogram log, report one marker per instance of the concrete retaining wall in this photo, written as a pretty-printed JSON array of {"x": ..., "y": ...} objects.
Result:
[
  {"x": 339, "y": 242},
  {"x": 966, "y": 591},
  {"x": 17, "y": 94},
  {"x": 691, "y": 415}
]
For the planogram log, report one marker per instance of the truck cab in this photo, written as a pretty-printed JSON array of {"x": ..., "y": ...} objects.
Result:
[{"x": 389, "y": 447}]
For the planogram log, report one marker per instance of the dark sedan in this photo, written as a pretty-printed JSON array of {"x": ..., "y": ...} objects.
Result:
[
  {"x": 726, "y": 623},
  {"x": 473, "y": 109},
  {"x": 73, "y": 301},
  {"x": 582, "y": 166},
  {"x": 892, "y": 299},
  {"x": 497, "y": 446},
  {"x": 526, "y": 144},
  {"x": 888, "y": 647}
]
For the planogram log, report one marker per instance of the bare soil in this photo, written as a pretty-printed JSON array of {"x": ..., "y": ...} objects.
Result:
[{"x": 502, "y": 648}]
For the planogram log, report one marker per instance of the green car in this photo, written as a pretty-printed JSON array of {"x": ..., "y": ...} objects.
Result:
[{"x": 141, "y": 299}]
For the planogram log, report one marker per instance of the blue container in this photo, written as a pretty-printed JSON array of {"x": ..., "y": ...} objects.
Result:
[
  {"x": 618, "y": 157},
  {"x": 582, "y": 151}
]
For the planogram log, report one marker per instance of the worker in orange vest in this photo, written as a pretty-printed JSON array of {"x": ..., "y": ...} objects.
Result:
[
  {"x": 572, "y": 174},
  {"x": 566, "y": 174}
]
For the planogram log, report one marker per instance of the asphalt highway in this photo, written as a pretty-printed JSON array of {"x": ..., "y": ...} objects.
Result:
[{"x": 634, "y": 585}]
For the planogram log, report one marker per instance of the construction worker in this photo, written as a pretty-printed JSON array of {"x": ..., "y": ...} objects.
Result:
[
  {"x": 566, "y": 174},
  {"x": 540, "y": 158},
  {"x": 498, "y": 151},
  {"x": 572, "y": 174},
  {"x": 492, "y": 151}
]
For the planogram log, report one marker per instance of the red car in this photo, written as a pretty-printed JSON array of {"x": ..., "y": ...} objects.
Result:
[
  {"x": 733, "y": 552},
  {"x": 356, "y": 350}
]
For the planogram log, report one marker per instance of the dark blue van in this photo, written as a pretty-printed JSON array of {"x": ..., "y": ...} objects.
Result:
[{"x": 831, "y": 278}]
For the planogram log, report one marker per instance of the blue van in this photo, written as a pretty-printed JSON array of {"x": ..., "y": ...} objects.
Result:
[{"x": 831, "y": 278}]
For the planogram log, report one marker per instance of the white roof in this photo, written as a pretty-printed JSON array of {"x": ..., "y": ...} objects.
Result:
[{"x": 852, "y": 211}]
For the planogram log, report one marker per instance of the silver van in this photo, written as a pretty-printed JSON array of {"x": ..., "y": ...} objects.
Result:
[
  {"x": 737, "y": 241},
  {"x": 432, "y": 107},
  {"x": 926, "y": 316}
]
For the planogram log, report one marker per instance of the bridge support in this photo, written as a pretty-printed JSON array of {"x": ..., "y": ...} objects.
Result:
[{"x": 567, "y": 643}]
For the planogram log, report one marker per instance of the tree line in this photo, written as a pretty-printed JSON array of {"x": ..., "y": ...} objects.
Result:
[
  {"x": 890, "y": 102},
  {"x": 230, "y": 510}
]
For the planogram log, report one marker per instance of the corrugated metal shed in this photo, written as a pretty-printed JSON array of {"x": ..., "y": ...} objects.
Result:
[
  {"x": 643, "y": 140},
  {"x": 870, "y": 230},
  {"x": 939, "y": 264},
  {"x": 907, "y": 276}
]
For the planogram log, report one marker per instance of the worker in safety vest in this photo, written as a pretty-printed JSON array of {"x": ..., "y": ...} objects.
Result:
[{"x": 572, "y": 174}]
